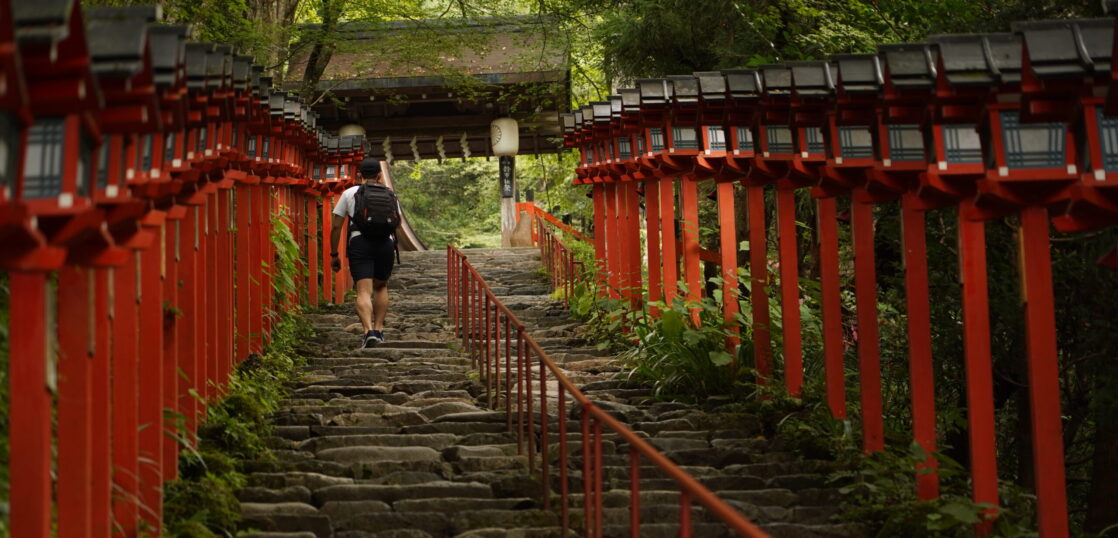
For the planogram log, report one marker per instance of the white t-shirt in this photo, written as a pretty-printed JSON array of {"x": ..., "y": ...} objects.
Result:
[{"x": 346, "y": 205}]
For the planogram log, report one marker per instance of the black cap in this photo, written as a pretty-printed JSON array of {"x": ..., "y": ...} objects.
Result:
[{"x": 370, "y": 167}]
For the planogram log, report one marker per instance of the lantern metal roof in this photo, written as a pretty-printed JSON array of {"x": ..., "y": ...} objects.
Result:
[
  {"x": 684, "y": 89},
  {"x": 1069, "y": 48},
  {"x": 40, "y": 21},
  {"x": 118, "y": 38},
  {"x": 712, "y": 85},
  {"x": 979, "y": 59},
  {"x": 654, "y": 91},
  {"x": 777, "y": 79},
  {"x": 909, "y": 65},
  {"x": 812, "y": 79},
  {"x": 197, "y": 56},
  {"x": 858, "y": 73},
  {"x": 744, "y": 84}
]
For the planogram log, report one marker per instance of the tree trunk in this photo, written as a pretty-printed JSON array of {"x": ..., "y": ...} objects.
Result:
[{"x": 321, "y": 50}]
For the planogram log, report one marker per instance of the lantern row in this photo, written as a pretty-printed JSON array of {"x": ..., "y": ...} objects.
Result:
[
  {"x": 991, "y": 125},
  {"x": 141, "y": 178}
]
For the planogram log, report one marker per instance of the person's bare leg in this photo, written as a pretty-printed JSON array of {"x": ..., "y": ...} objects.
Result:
[
  {"x": 380, "y": 303},
  {"x": 364, "y": 303}
]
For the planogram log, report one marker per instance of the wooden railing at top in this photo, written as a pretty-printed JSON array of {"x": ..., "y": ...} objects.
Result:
[{"x": 490, "y": 332}]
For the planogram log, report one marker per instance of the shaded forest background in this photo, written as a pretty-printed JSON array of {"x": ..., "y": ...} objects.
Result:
[{"x": 610, "y": 43}]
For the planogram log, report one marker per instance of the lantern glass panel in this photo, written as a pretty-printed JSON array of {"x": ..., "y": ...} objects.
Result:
[
  {"x": 201, "y": 142},
  {"x": 85, "y": 166},
  {"x": 316, "y": 172},
  {"x": 745, "y": 139},
  {"x": 814, "y": 137},
  {"x": 149, "y": 140},
  {"x": 716, "y": 138},
  {"x": 43, "y": 169},
  {"x": 331, "y": 172},
  {"x": 856, "y": 142},
  {"x": 343, "y": 171},
  {"x": 1108, "y": 136},
  {"x": 624, "y": 148},
  {"x": 233, "y": 139},
  {"x": 103, "y": 165},
  {"x": 962, "y": 144},
  {"x": 656, "y": 139},
  {"x": 779, "y": 139},
  {"x": 267, "y": 147},
  {"x": 168, "y": 147},
  {"x": 9, "y": 146},
  {"x": 906, "y": 143},
  {"x": 685, "y": 138},
  {"x": 589, "y": 156},
  {"x": 640, "y": 144},
  {"x": 252, "y": 147},
  {"x": 1034, "y": 145}
]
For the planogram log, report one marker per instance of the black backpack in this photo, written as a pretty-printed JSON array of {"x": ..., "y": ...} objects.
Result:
[{"x": 376, "y": 212}]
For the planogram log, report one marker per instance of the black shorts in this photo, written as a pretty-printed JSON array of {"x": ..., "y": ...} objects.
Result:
[{"x": 370, "y": 259}]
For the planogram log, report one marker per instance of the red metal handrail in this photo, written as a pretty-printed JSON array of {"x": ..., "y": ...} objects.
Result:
[{"x": 485, "y": 323}]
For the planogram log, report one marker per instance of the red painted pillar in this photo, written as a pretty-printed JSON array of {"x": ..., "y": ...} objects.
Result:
[
  {"x": 327, "y": 271},
  {"x": 632, "y": 243},
  {"x": 201, "y": 302},
  {"x": 30, "y": 407},
  {"x": 669, "y": 259},
  {"x": 340, "y": 278},
  {"x": 1044, "y": 373},
  {"x": 601, "y": 234},
  {"x": 172, "y": 317},
  {"x": 256, "y": 277},
  {"x": 100, "y": 426},
  {"x": 728, "y": 248},
  {"x": 831, "y": 307},
  {"x": 125, "y": 398},
  {"x": 614, "y": 257},
  {"x": 312, "y": 252},
  {"x": 244, "y": 261},
  {"x": 151, "y": 372},
  {"x": 979, "y": 368},
  {"x": 921, "y": 372},
  {"x": 213, "y": 298},
  {"x": 692, "y": 276},
  {"x": 225, "y": 283},
  {"x": 188, "y": 323},
  {"x": 74, "y": 386},
  {"x": 652, "y": 244},
  {"x": 869, "y": 356},
  {"x": 759, "y": 283},
  {"x": 790, "y": 290}
]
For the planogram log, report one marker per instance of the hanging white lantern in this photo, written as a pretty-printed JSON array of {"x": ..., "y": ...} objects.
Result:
[
  {"x": 351, "y": 129},
  {"x": 504, "y": 136}
]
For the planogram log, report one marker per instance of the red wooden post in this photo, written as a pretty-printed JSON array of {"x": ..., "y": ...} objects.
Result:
[
  {"x": 1044, "y": 374},
  {"x": 225, "y": 280},
  {"x": 101, "y": 481},
  {"x": 759, "y": 282},
  {"x": 632, "y": 243},
  {"x": 979, "y": 368},
  {"x": 171, "y": 258},
  {"x": 692, "y": 276},
  {"x": 652, "y": 244},
  {"x": 790, "y": 290},
  {"x": 213, "y": 298},
  {"x": 600, "y": 234},
  {"x": 327, "y": 271},
  {"x": 312, "y": 251},
  {"x": 74, "y": 432},
  {"x": 728, "y": 248},
  {"x": 668, "y": 258},
  {"x": 255, "y": 270},
  {"x": 202, "y": 324},
  {"x": 188, "y": 324},
  {"x": 30, "y": 407},
  {"x": 151, "y": 372},
  {"x": 869, "y": 360},
  {"x": 615, "y": 263},
  {"x": 921, "y": 372},
  {"x": 125, "y": 398},
  {"x": 835, "y": 373},
  {"x": 243, "y": 262}
]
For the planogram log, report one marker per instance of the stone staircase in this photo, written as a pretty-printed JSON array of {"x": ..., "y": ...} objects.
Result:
[{"x": 396, "y": 441}]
